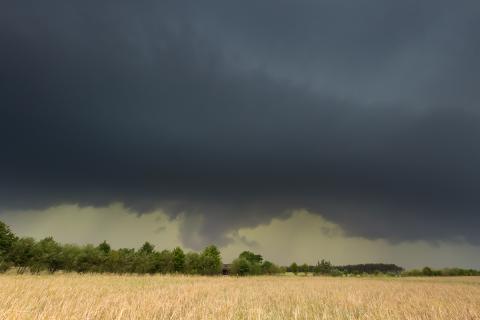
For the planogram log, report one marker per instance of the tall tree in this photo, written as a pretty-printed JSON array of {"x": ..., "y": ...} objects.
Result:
[
  {"x": 22, "y": 253},
  {"x": 211, "y": 261},
  {"x": 104, "y": 247},
  {"x": 163, "y": 262},
  {"x": 47, "y": 256},
  {"x": 251, "y": 257},
  {"x": 193, "y": 263},
  {"x": 147, "y": 248},
  {"x": 178, "y": 259},
  {"x": 294, "y": 268},
  {"x": 7, "y": 239}
]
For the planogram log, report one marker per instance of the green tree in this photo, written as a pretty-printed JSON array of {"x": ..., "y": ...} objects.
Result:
[
  {"x": 211, "y": 261},
  {"x": 70, "y": 253},
  {"x": 7, "y": 239},
  {"x": 104, "y": 247},
  {"x": 241, "y": 267},
  {"x": 163, "y": 262},
  {"x": 193, "y": 263},
  {"x": 294, "y": 268},
  {"x": 88, "y": 260},
  {"x": 47, "y": 256},
  {"x": 144, "y": 263},
  {"x": 251, "y": 257},
  {"x": 178, "y": 259},
  {"x": 323, "y": 267},
  {"x": 427, "y": 272},
  {"x": 147, "y": 248},
  {"x": 270, "y": 268},
  {"x": 121, "y": 261},
  {"x": 248, "y": 263},
  {"x": 22, "y": 253},
  {"x": 304, "y": 268}
]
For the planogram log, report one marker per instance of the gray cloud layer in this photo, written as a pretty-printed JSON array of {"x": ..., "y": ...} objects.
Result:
[{"x": 363, "y": 112}]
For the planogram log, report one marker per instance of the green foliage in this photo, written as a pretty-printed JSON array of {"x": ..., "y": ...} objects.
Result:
[
  {"x": 70, "y": 254},
  {"x": 22, "y": 253},
  {"x": 211, "y": 261},
  {"x": 47, "y": 255},
  {"x": 88, "y": 260},
  {"x": 104, "y": 247},
  {"x": 448, "y": 272},
  {"x": 323, "y": 268},
  {"x": 249, "y": 263},
  {"x": 147, "y": 248},
  {"x": 240, "y": 267},
  {"x": 303, "y": 268},
  {"x": 270, "y": 268},
  {"x": 251, "y": 257},
  {"x": 459, "y": 272},
  {"x": 178, "y": 259},
  {"x": 163, "y": 262},
  {"x": 120, "y": 261},
  {"x": 427, "y": 271},
  {"x": 4, "y": 264},
  {"x": 371, "y": 268},
  {"x": 193, "y": 263},
  {"x": 294, "y": 268},
  {"x": 336, "y": 273},
  {"x": 7, "y": 240}
]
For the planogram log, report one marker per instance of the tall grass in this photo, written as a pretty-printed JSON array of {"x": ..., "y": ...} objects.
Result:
[{"x": 74, "y": 296}]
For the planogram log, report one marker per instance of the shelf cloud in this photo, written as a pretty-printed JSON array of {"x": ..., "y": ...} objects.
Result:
[{"x": 234, "y": 114}]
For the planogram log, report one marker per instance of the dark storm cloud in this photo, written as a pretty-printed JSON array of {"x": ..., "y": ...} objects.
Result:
[{"x": 363, "y": 112}]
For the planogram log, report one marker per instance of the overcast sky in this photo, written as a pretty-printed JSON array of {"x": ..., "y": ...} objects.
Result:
[{"x": 224, "y": 122}]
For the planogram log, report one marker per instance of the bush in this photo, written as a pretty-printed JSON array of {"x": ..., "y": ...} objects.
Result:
[{"x": 241, "y": 267}]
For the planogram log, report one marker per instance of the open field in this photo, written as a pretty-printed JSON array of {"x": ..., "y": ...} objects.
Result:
[{"x": 73, "y": 296}]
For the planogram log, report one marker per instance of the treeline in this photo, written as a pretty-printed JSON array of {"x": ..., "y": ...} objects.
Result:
[
  {"x": 446, "y": 272},
  {"x": 380, "y": 269},
  {"x": 371, "y": 268},
  {"x": 26, "y": 254},
  {"x": 324, "y": 267}
]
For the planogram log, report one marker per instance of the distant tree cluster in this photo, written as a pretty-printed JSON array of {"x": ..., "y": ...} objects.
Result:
[
  {"x": 249, "y": 263},
  {"x": 371, "y": 268},
  {"x": 26, "y": 254},
  {"x": 447, "y": 272},
  {"x": 324, "y": 267}
]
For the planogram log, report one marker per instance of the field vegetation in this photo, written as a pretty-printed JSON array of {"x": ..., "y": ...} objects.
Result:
[{"x": 96, "y": 296}]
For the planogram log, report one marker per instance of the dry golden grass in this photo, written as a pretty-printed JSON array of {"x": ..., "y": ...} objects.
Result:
[{"x": 72, "y": 296}]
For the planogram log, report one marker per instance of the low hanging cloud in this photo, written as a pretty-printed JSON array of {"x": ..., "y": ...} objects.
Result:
[{"x": 233, "y": 115}]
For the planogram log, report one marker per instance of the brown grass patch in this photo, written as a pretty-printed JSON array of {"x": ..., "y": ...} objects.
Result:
[{"x": 73, "y": 296}]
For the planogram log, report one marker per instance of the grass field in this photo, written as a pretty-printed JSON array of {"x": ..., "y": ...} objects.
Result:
[{"x": 73, "y": 296}]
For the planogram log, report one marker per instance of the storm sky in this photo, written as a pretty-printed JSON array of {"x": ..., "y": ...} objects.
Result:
[{"x": 233, "y": 116}]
